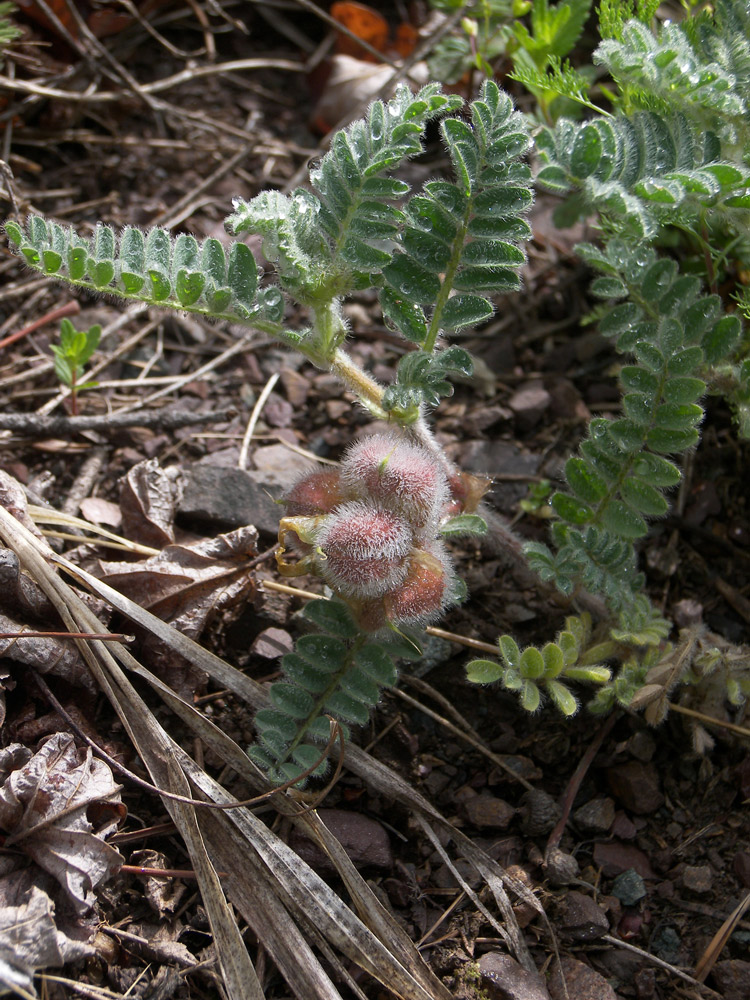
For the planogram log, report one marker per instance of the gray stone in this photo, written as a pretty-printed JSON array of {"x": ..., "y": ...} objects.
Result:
[
  {"x": 506, "y": 979},
  {"x": 583, "y": 982},
  {"x": 529, "y": 403},
  {"x": 596, "y": 816},
  {"x": 487, "y": 811},
  {"x": 364, "y": 840},
  {"x": 636, "y": 786},
  {"x": 629, "y": 887},
  {"x": 226, "y": 498},
  {"x": 581, "y": 918},
  {"x": 732, "y": 978},
  {"x": 698, "y": 878}
]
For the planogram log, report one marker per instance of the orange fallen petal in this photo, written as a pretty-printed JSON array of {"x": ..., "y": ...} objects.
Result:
[{"x": 365, "y": 23}]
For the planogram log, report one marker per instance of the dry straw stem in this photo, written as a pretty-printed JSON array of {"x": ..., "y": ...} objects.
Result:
[
  {"x": 370, "y": 770},
  {"x": 279, "y": 896},
  {"x": 711, "y": 955}
]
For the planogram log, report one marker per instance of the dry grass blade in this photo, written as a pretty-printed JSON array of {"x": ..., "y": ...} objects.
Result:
[
  {"x": 154, "y": 747},
  {"x": 377, "y": 775},
  {"x": 711, "y": 955},
  {"x": 310, "y": 899},
  {"x": 42, "y": 515}
]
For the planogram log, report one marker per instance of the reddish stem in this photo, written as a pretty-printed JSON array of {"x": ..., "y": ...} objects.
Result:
[
  {"x": 575, "y": 782},
  {"x": 69, "y": 309},
  {"x": 164, "y": 872}
]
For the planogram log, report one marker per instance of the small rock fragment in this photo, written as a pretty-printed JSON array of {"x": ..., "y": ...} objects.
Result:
[
  {"x": 581, "y": 918},
  {"x": 614, "y": 858},
  {"x": 636, "y": 786},
  {"x": 364, "y": 840},
  {"x": 623, "y": 826},
  {"x": 226, "y": 498},
  {"x": 539, "y": 812},
  {"x": 642, "y": 746},
  {"x": 732, "y": 979},
  {"x": 487, "y": 811},
  {"x": 697, "y": 878},
  {"x": 506, "y": 979},
  {"x": 272, "y": 642},
  {"x": 596, "y": 816},
  {"x": 666, "y": 944},
  {"x": 529, "y": 403},
  {"x": 296, "y": 386},
  {"x": 629, "y": 887},
  {"x": 560, "y": 868},
  {"x": 583, "y": 982}
]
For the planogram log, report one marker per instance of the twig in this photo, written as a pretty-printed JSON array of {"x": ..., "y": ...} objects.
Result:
[
  {"x": 462, "y": 734},
  {"x": 101, "y": 636},
  {"x": 708, "y": 720},
  {"x": 69, "y": 309},
  {"x": 107, "y": 96},
  {"x": 36, "y": 424},
  {"x": 575, "y": 782},
  {"x": 254, "y": 417},
  {"x": 660, "y": 962}
]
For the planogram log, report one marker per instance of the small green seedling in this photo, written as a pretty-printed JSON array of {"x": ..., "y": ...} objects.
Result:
[{"x": 71, "y": 354}]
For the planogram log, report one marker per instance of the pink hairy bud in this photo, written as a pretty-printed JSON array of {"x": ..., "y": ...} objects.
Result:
[
  {"x": 425, "y": 590},
  {"x": 363, "y": 550},
  {"x": 315, "y": 493},
  {"x": 403, "y": 478}
]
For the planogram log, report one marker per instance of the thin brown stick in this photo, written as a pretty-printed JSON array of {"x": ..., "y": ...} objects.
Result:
[
  {"x": 41, "y": 424},
  {"x": 101, "y": 636},
  {"x": 163, "y": 872},
  {"x": 462, "y": 734},
  {"x": 578, "y": 775}
]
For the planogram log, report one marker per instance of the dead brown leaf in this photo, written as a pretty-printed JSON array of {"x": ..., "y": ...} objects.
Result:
[
  {"x": 162, "y": 892},
  {"x": 57, "y": 805},
  {"x": 13, "y": 498},
  {"x": 148, "y": 498},
  {"x": 46, "y": 655},
  {"x": 187, "y": 586},
  {"x": 30, "y": 937}
]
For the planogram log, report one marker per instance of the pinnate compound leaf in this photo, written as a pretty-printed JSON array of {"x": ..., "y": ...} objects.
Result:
[{"x": 406, "y": 316}]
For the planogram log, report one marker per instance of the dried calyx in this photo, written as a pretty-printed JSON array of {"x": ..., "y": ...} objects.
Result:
[{"x": 370, "y": 529}]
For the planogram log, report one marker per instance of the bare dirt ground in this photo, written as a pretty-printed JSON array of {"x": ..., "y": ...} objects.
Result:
[{"x": 659, "y": 832}]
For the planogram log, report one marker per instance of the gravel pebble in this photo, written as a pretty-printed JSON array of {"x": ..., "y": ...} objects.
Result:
[{"x": 504, "y": 978}]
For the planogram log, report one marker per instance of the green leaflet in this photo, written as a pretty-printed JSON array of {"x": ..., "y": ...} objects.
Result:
[{"x": 153, "y": 268}]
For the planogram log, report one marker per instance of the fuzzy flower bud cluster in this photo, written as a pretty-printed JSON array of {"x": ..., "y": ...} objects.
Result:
[{"x": 370, "y": 529}]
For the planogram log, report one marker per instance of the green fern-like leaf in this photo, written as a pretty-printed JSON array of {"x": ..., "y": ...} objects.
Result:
[
  {"x": 644, "y": 170},
  {"x": 620, "y": 478},
  {"x": 327, "y": 240},
  {"x": 461, "y": 241},
  {"x": 337, "y": 672},
  {"x": 154, "y": 268},
  {"x": 694, "y": 70}
]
